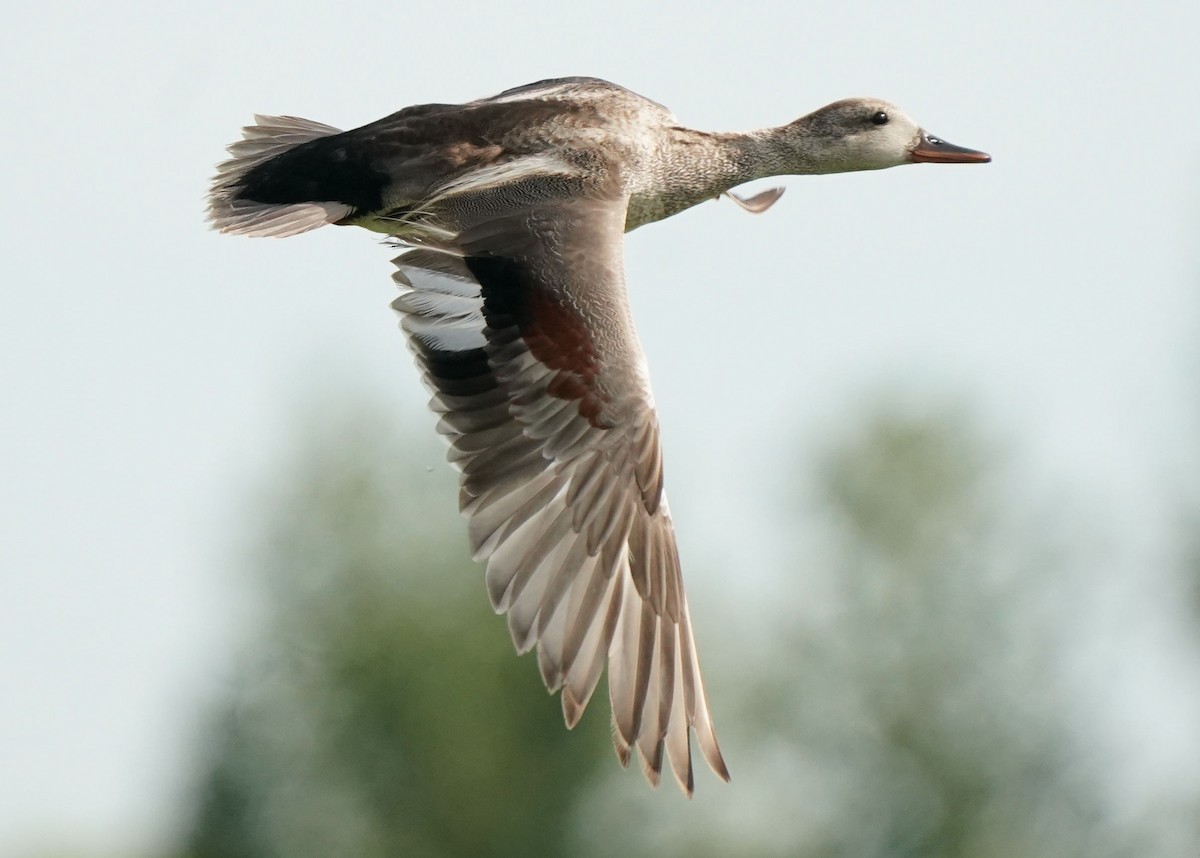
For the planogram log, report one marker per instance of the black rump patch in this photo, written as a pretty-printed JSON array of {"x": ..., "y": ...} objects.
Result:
[{"x": 330, "y": 169}]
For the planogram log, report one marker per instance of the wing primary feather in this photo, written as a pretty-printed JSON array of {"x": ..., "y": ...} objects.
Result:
[
  {"x": 523, "y": 554},
  {"x": 679, "y": 749},
  {"x": 649, "y": 740},
  {"x": 667, "y": 666},
  {"x": 606, "y": 514},
  {"x": 550, "y": 635},
  {"x": 584, "y": 607},
  {"x": 647, "y": 627},
  {"x": 574, "y": 570},
  {"x": 627, "y": 668},
  {"x": 495, "y": 515},
  {"x": 587, "y": 662},
  {"x": 697, "y": 704},
  {"x": 588, "y": 470}
]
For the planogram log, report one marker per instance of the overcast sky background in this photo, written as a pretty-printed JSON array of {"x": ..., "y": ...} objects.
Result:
[{"x": 152, "y": 369}]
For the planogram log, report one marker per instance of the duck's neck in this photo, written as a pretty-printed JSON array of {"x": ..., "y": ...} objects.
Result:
[{"x": 693, "y": 166}]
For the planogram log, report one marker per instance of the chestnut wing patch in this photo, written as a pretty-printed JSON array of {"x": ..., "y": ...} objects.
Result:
[{"x": 550, "y": 327}]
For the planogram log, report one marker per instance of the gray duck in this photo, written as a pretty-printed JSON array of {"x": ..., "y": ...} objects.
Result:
[{"x": 512, "y": 209}]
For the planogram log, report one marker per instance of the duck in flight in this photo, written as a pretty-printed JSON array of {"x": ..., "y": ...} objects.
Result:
[{"x": 512, "y": 209}]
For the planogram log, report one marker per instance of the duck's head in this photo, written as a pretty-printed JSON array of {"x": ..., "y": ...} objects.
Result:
[{"x": 870, "y": 134}]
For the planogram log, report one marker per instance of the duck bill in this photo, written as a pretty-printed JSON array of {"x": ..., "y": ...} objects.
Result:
[{"x": 934, "y": 150}]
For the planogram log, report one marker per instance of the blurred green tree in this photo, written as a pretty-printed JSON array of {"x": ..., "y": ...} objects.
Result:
[
  {"x": 935, "y": 691},
  {"x": 383, "y": 711},
  {"x": 906, "y": 703},
  {"x": 905, "y": 700}
]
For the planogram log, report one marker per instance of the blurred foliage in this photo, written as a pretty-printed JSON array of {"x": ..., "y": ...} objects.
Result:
[
  {"x": 384, "y": 713},
  {"x": 908, "y": 701},
  {"x": 932, "y": 693}
]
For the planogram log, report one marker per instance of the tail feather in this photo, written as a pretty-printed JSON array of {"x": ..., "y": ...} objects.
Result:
[{"x": 270, "y": 137}]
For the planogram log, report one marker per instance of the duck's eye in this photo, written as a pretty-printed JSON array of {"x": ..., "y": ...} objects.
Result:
[{"x": 879, "y": 117}]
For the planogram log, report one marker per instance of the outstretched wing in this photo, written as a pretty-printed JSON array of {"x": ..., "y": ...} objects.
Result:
[{"x": 523, "y": 334}]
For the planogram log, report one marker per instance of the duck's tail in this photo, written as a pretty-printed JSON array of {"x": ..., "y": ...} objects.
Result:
[{"x": 233, "y": 209}]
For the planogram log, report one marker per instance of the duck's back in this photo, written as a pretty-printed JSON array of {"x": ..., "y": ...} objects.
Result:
[
  {"x": 582, "y": 90},
  {"x": 553, "y": 136}
]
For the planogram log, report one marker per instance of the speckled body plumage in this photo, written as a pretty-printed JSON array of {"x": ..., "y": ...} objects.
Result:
[{"x": 603, "y": 139}]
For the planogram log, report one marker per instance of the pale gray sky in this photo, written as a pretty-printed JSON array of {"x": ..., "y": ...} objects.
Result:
[{"x": 151, "y": 367}]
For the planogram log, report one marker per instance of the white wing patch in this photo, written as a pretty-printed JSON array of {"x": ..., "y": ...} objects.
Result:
[{"x": 440, "y": 308}]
